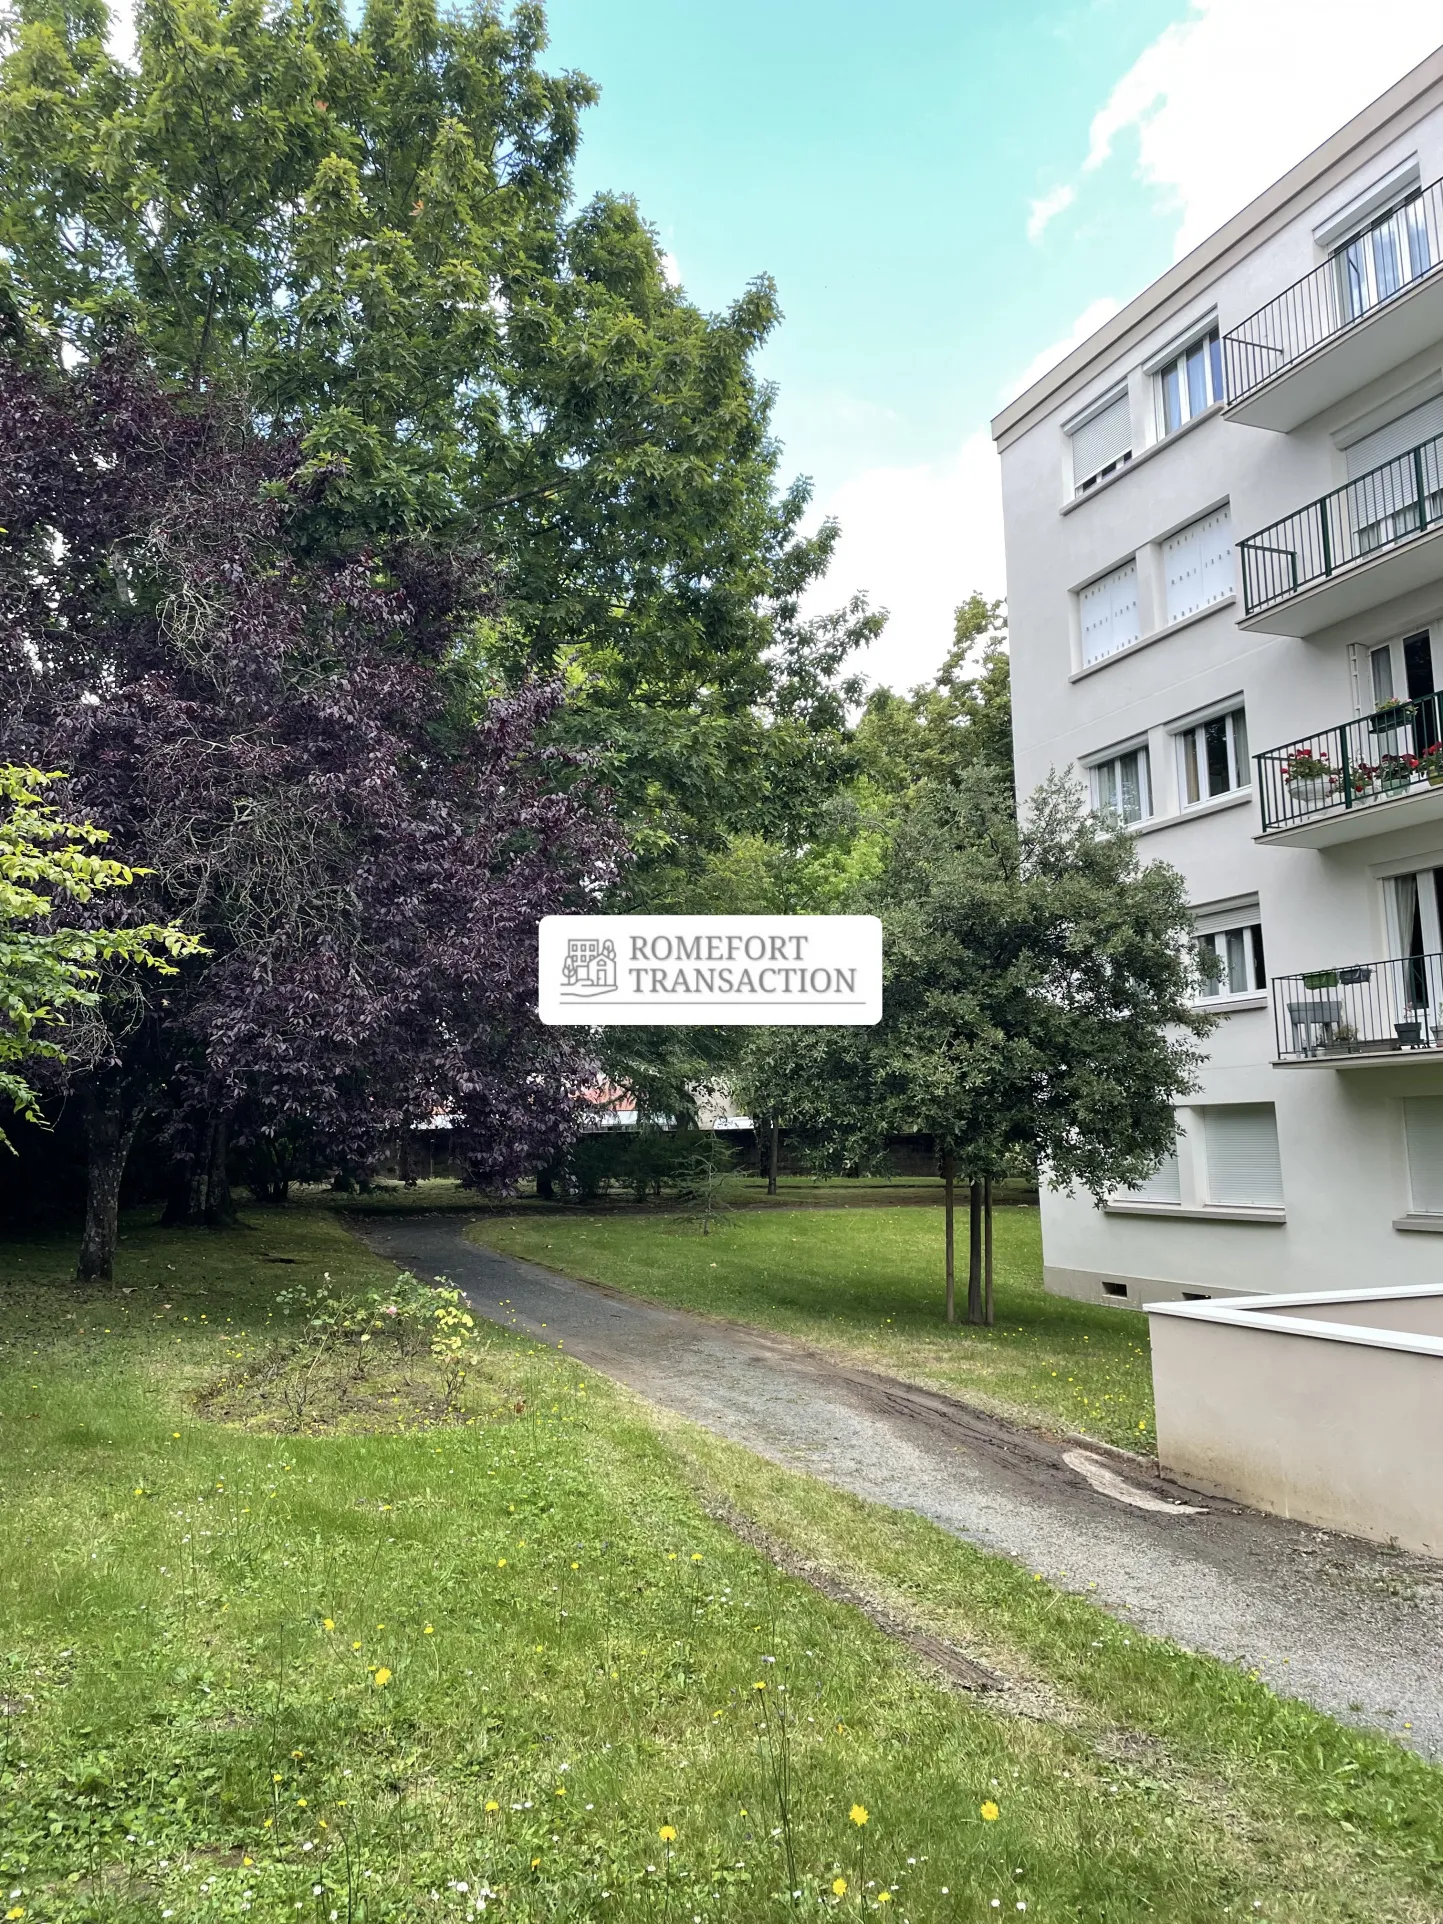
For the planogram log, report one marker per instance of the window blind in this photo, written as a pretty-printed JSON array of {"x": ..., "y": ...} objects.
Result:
[
  {"x": 1243, "y": 1164},
  {"x": 1423, "y": 1126},
  {"x": 1418, "y": 424},
  {"x": 1109, "y": 613},
  {"x": 1198, "y": 563},
  {"x": 1101, "y": 441},
  {"x": 1164, "y": 1185}
]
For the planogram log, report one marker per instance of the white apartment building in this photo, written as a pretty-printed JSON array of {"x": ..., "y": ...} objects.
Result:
[{"x": 1224, "y": 524}]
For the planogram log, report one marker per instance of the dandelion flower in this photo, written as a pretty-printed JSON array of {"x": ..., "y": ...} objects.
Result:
[
  {"x": 839, "y": 1887},
  {"x": 667, "y": 1833},
  {"x": 491, "y": 1804},
  {"x": 990, "y": 1812},
  {"x": 428, "y": 1631},
  {"x": 758, "y": 1686},
  {"x": 858, "y": 1814},
  {"x": 382, "y": 1677},
  {"x": 534, "y": 1862},
  {"x": 500, "y": 1563},
  {"x": 16, "y": 1910},
  {"x": 328, "y": 1623}
]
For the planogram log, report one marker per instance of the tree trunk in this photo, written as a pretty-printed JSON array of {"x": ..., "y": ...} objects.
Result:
[
  {"x": 987, "y": 1246},
  {"x": 974, "y": 1251},
  {"x": 949, "y": 1182},
  {"x": 773, "y": 1150},
  {"x": 546, "y": 1184},
  {"x": 107, "y": 1134},
  {"x": 219, "y": 1207},
  {"x": 408, "y": 1172}
]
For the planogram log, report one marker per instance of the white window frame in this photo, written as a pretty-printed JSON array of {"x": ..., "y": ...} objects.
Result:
[
  {"x": 1192, "y": 399},
  {"x": 1113, "y": 760},
  {"x": 1190, "y": 734},
  {"x": 1242, "y": 943}
]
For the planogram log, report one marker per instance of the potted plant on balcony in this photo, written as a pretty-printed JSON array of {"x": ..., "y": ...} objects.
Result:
[
  {"x": 1342, "y": 1042},
  {"x": 1310, "y": 780},
  {"x": 1355, "y": 973},
  {"x": 1389, "y": 716},
  {"x": 1362, "y": 778},
  {"x": 1430, "y": 763},
  {"x": 1397, "y": 773}
]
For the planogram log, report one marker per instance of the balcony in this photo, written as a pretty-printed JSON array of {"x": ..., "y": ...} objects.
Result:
[
  {"x": 1363, "y": 545},
  {"x": 1367, "y": 1015},
  {"x": 1370, "y": 307},
  {"x": 1363, "y": 778}
]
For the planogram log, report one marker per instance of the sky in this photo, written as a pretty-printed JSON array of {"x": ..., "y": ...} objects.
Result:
[{"x": 949, "y": 194}]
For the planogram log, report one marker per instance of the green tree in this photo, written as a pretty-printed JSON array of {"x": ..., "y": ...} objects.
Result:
[
  {"x": 50, "y": 966},
  {"x": 365, "y": 228},
  {"x": 961, "y": 718},
  {"x": 1038, "y": 997}
]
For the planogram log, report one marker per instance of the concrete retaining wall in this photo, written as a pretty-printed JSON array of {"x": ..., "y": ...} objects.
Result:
[{"x": 1326, "y": 1407}]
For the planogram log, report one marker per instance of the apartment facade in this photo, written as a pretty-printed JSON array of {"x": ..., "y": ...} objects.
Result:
[{"x": 1224, "y": 525}]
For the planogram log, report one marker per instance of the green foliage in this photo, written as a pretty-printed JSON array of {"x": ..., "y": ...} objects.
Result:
[
  {"x": 708, "y": 1184},
  {"x": 48, "y": 975},
  {"x": 961, "y": 719},
  {"x": 1037, "y": 996},
  {"x": 365, "y": 226}
]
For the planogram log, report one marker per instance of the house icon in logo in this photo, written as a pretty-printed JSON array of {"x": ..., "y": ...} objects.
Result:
[{"x": 588, "y": 969}]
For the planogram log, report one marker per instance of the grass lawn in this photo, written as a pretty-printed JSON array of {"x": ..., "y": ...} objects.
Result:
[
  {"x": 502, "y": 1653},
  {"x": 867, "y": 1283}
]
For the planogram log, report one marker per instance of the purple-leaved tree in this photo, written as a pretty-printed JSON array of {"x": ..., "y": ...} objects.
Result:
[{"x": 311, "y": 759}]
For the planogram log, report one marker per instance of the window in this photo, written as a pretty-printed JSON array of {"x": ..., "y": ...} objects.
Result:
[
  {"x": 1122, "y": 788},
  {"x": 1108, "y": 612},
  {"x": 1164, "y": 1185},
  {"x": 1189, "y": 384},
  {"x": 1423, "y": 1127},
  {"x": 1231, "y": 961},
  {"x": 1374, "y": 265},
  {"x": 1383, "y": 493},
  {"x": 1101, "y": 444},
  {"x": 1198, "y": 564},
  {"x": 1243, "y": 1166},
  {"x": 1213, "y": 758}
]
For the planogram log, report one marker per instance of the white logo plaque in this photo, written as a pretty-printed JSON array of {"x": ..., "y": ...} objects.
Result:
[{"x": 711, "y": 971}]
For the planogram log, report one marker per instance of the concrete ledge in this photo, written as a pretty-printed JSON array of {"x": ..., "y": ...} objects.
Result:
[{"x": 1326, "y": 1406}]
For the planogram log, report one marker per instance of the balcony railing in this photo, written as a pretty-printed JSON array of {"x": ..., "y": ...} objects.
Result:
[
  {"x": 1356, "y": 766},
  {"x": 1364, "y": 1009},
  {"x": 1395, "y": 253},
  {"x": 1382, "y": 509}
]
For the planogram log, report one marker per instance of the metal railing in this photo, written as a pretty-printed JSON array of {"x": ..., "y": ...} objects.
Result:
[
  {"x": 1366, "y": 1008},
  {"x": 1400, "y": 249},
  {"x": 1382, "y": 509},
  {"x": 1397, "y": 749}
]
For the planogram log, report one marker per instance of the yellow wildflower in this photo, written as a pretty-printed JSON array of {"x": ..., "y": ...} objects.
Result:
[
  {"x": 839, "y": 1887},
  {"x": 500, "y": 1563},
  {"x": 884, "y": 1897},
  {"x": 667, "y": 1833},
  {"x": 990, "y": 1812},
  {"x": 382, "y": 1677},
  {"x": 428, "y": 1631},
  {"x": 16, "y": 1910},
  {"x": 491, "y": 1804},
  {"x": 534, "y": 1862},
  {"x": 858, "y": 1814},
  {"x": 328, "y": 1623}
]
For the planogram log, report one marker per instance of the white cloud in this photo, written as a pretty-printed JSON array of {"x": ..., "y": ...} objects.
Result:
[
  {"x": 670, "y": 269},
  {"x": 1225, "y": 101},
  {"x": 1088, "y": 321},
  {"x": 1045, "y": 209},
  {"x": 918, "y": 540}
]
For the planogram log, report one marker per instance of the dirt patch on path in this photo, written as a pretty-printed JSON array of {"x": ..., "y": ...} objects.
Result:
[{"x": 1347, "y": 1626}]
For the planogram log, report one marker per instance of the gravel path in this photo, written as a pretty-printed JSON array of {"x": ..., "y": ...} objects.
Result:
[{"x": 1355, "y": 1629}]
